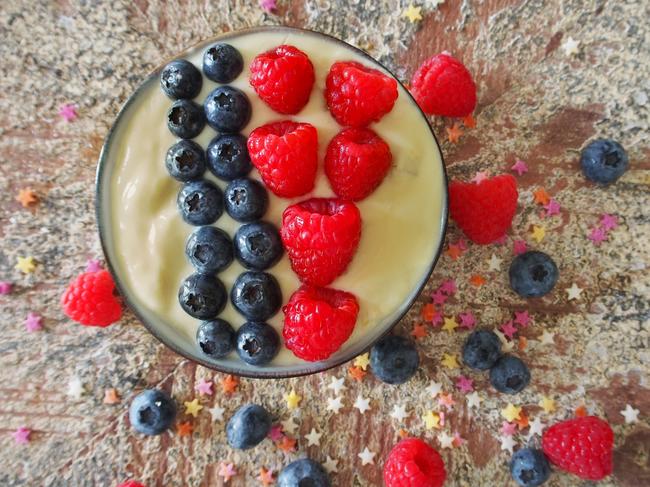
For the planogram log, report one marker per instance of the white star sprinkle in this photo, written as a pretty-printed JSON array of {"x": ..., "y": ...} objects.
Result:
[
  {"x": 494, "y": 263},
  {"x": 335, "y": 404},
  {"x": 445, "y": 440},
  {"x": 507, "y": 443},
  {"x": 630, "y": 414},
  {"x": 434, "y": 389},
  {"x": 399, "y": 412},
  {"x": 505, "y": 343},
  {"x": 547, "y": 338},
  {"x": 75, "y": 388},
  {"x": 536, "y": 428},
  {"x": 574, "y": 291},
  {"x": 288, "y": 426},
  {"x": 313, "y": 438},
  {"x": 337, "y": 385},
  {"x": 331, "y": 465},
  {"x": 435, "y": 3},
  {"x": 362, "y": 404},
  {"x": 473, "y": 400},
  {"x": 570, "y": 47},
  {"x": 216, "y": 413},
  {"x": 367, "y": 456}
]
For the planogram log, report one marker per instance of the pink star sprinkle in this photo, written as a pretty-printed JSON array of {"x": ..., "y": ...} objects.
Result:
[
  {"x": 439, "y": 297},
  {"x": 448, "y": 287},
  {"x": 520, "y": 167},
  {"x": 458, "y": 440},
  {"x": 462, "y": 245},
  {"x": 437, "y": 318},
  {"x": 519, "y": 247},
  {"x": 204, "y": 387},
  {"x": 268, "y": 5},
  {"x": 447, "y": 401},
  {"x": 608, "y": 222},
  {"x": 227, "y": 470},
  {"x": 467, "y": 320},
  {"x": 597, "y": 235},
  {"x": 33, "y": 322},
  {"x": 276, "y": 432},
  {"x": 93, "y": 265},
  {"x": 522, "y": 318},
  {"x": 552, "y": 208},
  {"x": 68, "y": 112},
  {"x": 508, "y": 429},
  {"x": 21, "y": 435},
  {"x": 508, "y": 329},
  {"x": 5, "y": 288},
  {"x": 480, "y": 177},
  {"x": 465, "y": 384}
]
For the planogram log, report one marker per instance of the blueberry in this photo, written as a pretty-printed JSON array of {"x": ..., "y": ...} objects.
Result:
[
  {"x": 603, "y": 161},
  {"x": 209, "y": 250},
  {"x": 246, "y": 200},
  {"x": 248, "y": 426},
  {"x": 228, "y": 157},
  {"x": 185, "y": 119},
  {"x": 222, "y": 63},
  {"x": 532, "y": 274},
  {"x": 257, "y": 343},
  {"x": 394, "y": 359},
  {"x": 185, "y": 160},
  {"x": 256, "y": 295},
  {"x": 258, "y": 245},
  {"x": 303, "y": 473},
  {"x": 216, "y": 338},
  {"x": 227, "y": 109},
  {"x": 481, "y": 350},
  {"x": 181, "y": 79},
  {"x": 530, "y": 467},
  {"x": 200, "y": 202},
  {"x": 202, "y": 296},
  {"x": 152, "y": 412},
  {"x": 509, "y": 375}
]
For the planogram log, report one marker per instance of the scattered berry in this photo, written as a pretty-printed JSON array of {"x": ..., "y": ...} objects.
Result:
[
  {"x": 181, "y": 79},
  {"x": 209, "y": 249},
  {"x": 481, "y": 350},
  {"x": 228, "y": 158},
  {"x": 202, "y": 296},
  {"x": 603, "y": 161},
  {"x": 227, "y": 109},
  {"x": 529, "y": 467},
  {"x": 317, "y": 321},
  {"x": 200, "y": 202},
  {"x": 216, "y": 338},
  {"x": 258, "y": 245},
  {"x": 152, "y": 412},
  {"x": 131, "y": 483},
  {"x": 185, "y": 161},
  {"x": 256, "y": 295},
  {"x": 246, "y": 200},
  {"x": 90, "y": 299},
  {"x": 443, "y": 86},
  {"x": 357, "y": 95},
  {"x": 248, "y": 426},
  {"x": 303, "y": 472},
  {"x": 257, "y": 343},
  {"x": 286, "y": 155},
  {"x": 356, "y": 162},
  {"x": 532, "y": 274},
  {"x": 484, "y": 211},
  {"x": 509, "y": 375},
  {"x": 412, "y": 462},
  {"x": 222, "y": 63},
  {"x": 582, "y": 446},
  {"x": 321, "y": 236},
  {"x": 394, "y": 359},
  {"x": 283, "y": 78},
  {"x": 185, "y": 119}
]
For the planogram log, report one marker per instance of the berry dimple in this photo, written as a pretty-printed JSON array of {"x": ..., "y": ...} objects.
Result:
[
  {"x": 412, "y": 462},
  {"x": 90, "y": 299}
]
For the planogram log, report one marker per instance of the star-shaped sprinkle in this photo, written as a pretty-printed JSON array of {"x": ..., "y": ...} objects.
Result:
[
  {"x": 216, "y": 413},
  {"x": 428, "y": 311},
  {"x": 229, "y": 384},
  {"x": 68, "y": 112},
  {"x": 439, "y": 297},
  {"x": 477, "y": 280},
  {"x": 449, "y": 361},
  {"x": 507, "y": 443},
  {"x": 552, "y": 208},
  {"x": 330, "y": 465},
  {"x": 508, "y": 329},
  {"x": 275, "y": 433},
  {"x": 437, "y": 319},
  {"x": 362, "y": 404},
  {"x": 412, "y": 13},
  {"x": 447, "y": 401},
  {"x": 288, "y": 426},
  {"x": 445, "y": 440},
  {"x": 508, "y": 429},
  {"x": 548, "y": 404},
  {"x": 75, "y": 388},
  {"x": 506, "y": 344},
  {"x": 287, "y": 444},
  {"x": 570, "y": 47},
  {"x": 268, "y": 6},
  {"x": 597, "y": 236},
  {"x": 26, "y": 197},
  {"x": 511, "y": 412},
  {"x": 547, "y": 338},
  {"x": 522, "y": 318},
  {"x": 293, "y": 400},
  {"x": 465, "y": 384},
  {"x": 93, "y": 265},
  {"x": 608, "y": 222},
  {"x": 454, "y": 252},
  {"x": 458, "y": 440},
  {"x": 21, "y": 435},
  {"x": 26, "y": 265},
  {"x": 227, "y": 470},
  {"x": 313, "y": 438},
  {"x": 5, "y": 288},
  {"x": 630, "y": 414},
  {"x": 479, "y": 177},
  {"x": 419, "y": 331},
  {"x": 473, "y": 400},
  {"x": 536, "y": 428},
  {"x": 519, "y": 247},
  {"x": 399, "y": 412},
  {"x": 454, "y": 133},
  {"x": 468, "y": 121},
  {"x": 204, "y": 387},
  {"x": 337, "y": 385},
  {"x": 448, "y": 287},
  {"x": 523, "y": 343},
  {"x": 573, "y": 292},
  {"x": 538, "y": 233},
  {"x": 334, "y": 404},
  {"x": 184, "y": 429},
  {"x": 434, "y": 389},
  {"x": 192, "y": 407},
  {"x": 581, "y": 411},
  {"x": 266, "y": 476},
  {"x": 357, "y": 373},
  {"x": 33, "y": 322},
  {"x": 519, "y": 167},
  {"x": 494, "y": 264},
  {"x": 111, "y": 396},
  {"x": 450, "y": 324},
  {"x": 431, "y": 420},
  {"x": 362, "y": 361},
  {"x": 541, "y": 197},
  {"x": 367, "y": 456},
  {"x": 522, "y": 422}
]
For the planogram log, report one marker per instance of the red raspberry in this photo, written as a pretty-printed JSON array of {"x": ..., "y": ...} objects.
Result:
[
  {"x": 283, "y": 77},
  {"x": 131, "y": 483},
  {"x": 90, "y": 299},
  {"x": 413, "y": 463},
  {"x": 317, "y": 321},
  {"x": 484, "y": 211},
  {"x": 356, "y": 162},
  {"x": 357, "y": 95},
  {"x": 443, "y": 86},
  {"x": 582, "y": 446},
  {"x": 286, "y": 155},
  {"x": 321, "y": 236}
]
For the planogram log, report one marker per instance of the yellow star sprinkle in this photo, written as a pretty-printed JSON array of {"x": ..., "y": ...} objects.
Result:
[
  {"x": 450, "y": 324},
  {"x": 538, "y": 233},
  {"x": 431, "y": 420},
  {"x": 511, "y": 413},
  {"x": 449, "y": 361},
  {"x": 292, "y": 399},
  {"x": 548, "y": 404},
  {"x": 412, "y": 13},
  {"x": 362, "y": 361},
  {"x": 193, "y": 407},
  {"x": 26, "y": 265}
]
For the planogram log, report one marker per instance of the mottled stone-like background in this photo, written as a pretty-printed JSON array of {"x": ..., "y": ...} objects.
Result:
[{"x": 535, "y": 103}]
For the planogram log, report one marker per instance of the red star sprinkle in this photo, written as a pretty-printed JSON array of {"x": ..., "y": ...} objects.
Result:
[
  {"x": 419, "y": 331},
  {"x": 541, "y": 197},
  {"x": 520, "y": 167},
  {"x": 229, "y": 384},
  {"x": 519, "y": 247},
  {"x": 508, "y": 329},
  {"x": 266, "y": 477},
  {"x": 522, "y": 318},
  {"x": 287, "y": 444},
  {"x": 454, "y": 251},
  {"x": 477, "y": 280},
  {"x": 522, "y": 421},
  {"x": 454, "y": 133},
  {"x": 469, "y": 121},
  {"x": 184, "y": 429},
  {"x": 597, "y": 236},
  {"x": 428, "y": 312},
  {"x": 467, "y": 320},
  {"x": 465, "y": 384},
  {"x": 357, "y": 373},
  {"x": 68, "y": 112},
  {"x": 608, "y": 222},
  {"x": 581, "y": 411}
]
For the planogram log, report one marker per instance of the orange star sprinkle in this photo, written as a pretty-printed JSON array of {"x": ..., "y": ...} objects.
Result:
[
  {"x": 266, "y": 477},
  {"x": 419, "y": 331},
  {"x": 184, "y": 429},
  {"x": 110, "y": 396},
  {"x": 581, "y": 411},
  {"x": 27, "y": 197},
  {"x": 477, "y": 280},
  {"x": 229, "y": 384},
  {"x": 287, "y": 444},
  {"x": 522, "y": 421},
  {"x": 454, "y": 251},
  {"x": 453, "y": 133},
  {"x": 523, "y": 343},
  {"x": 469, "y": 121},
  {"x": 357, "y": 373},
  {"x": 428, "y": 312},
  {"x": 541, "y": 196}
]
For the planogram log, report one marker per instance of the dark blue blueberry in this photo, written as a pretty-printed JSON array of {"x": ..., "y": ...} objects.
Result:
[
  {"x": 257, "y": 343},
  {"x": 394, "y": 359},
  {"x": 181, "y": 79},
  {"x": 202, "y": 296},
  {"x": 152, "y": 412},
  {"x": 604, "y": 161},
  {"x": 246, "y": 200},
  {"x": 216, "y": 338},
  {"x": 256, "y": 295},
  {"x": 258, "y": 245},
  {"x": 228, "y": 157},
  {"x": 185, "y": 160},
  {"x": 248, "y": 426},
  {"x": 509, "y": 375},
  {"x": 185, "y": 119},
  {"x": 227, "y": 109},
  {"x": 200, "y": 202},
  {"x": 209, "y": 249},
  {"x": 222, "y": 63},
  {"x": 303, "y": 473},
  {"x": 530, "y": 467},
  {"x": 481, "y": 350},
  {"x": 532, "y": 274}
]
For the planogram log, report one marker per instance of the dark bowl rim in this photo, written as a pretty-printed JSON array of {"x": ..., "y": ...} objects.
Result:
[{"x": 101, "y": 224}]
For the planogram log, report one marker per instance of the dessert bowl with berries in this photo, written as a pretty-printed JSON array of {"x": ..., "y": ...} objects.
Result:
[{"x": 271, "y": 202}]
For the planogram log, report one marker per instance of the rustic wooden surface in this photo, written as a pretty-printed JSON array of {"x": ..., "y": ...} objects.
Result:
[{"x": 535, "y": 103}]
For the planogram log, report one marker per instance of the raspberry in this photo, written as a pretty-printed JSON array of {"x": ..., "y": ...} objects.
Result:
[
  {"x": 286, "y": 155},
  {"x": 283, "y": 77},
  {"x": 317, "y": 321},
  {"x": 357, "y": 95},
  {"x": 321, "y": 236},
  {"x": 443, "y": 86},
  {"x": 412, "y": 462},
  {"x": 484, "y": 211},
  {"x": 90, "y": 299},
  {"x": 582, "y": 446},
  {"x": 131, "y": 483},
  {"x": 356, "y": 162}
]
